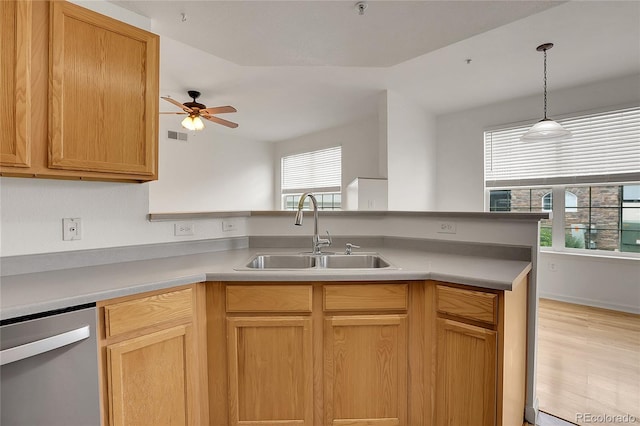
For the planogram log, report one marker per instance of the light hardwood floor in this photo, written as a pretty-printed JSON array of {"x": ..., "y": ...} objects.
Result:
[{"x": 588, "y": 361}]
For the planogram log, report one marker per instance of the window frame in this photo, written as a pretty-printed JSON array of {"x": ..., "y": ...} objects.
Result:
[{"x": 558, "y": 223}]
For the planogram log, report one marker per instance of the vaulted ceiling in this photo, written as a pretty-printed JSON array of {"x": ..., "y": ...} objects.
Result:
[{"x": 294, "y": 67}]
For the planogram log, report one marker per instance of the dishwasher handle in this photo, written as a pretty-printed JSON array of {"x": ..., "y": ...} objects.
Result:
[{"x": 38, "y": 347}]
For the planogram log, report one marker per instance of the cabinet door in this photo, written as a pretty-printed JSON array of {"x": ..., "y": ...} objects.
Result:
[
  {"x": 151, "y": 377},
  {"x": 365, "y": 370},
  {"x": 103, "y": 108},
  {"x": 466, "y": 375},
  {"x": 270, "y": 371},
  {"x": 15, "y": 94}
]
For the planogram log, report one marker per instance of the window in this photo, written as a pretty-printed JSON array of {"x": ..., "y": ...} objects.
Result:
[
  {"x": 570, "y": 201},
  {"x": 598, "y": 215},
  {"x": 319, "y": 172}
]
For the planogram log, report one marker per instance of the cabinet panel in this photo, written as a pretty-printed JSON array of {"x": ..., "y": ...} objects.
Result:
[
  {"x": 103, "y": 110},
  {"x": 347, "y": 297},
  {"x": 466, "y": 375},
  {"x": 270, "y": 371},
  {"x": 365, "y": 370},
  {"x": 15, "y": 85},
  {"x": 150, "y": 378},
  {"x": 269, "y": 298},
  {"x": 143, "y": 312},
  {"x": 470, "y": 304}
]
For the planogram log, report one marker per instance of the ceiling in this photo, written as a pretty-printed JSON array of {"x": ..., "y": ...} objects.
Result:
[{"x": 296, "y": 67}]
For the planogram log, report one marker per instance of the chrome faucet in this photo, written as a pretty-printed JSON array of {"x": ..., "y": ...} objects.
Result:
[{"x": 317, "y": 241}]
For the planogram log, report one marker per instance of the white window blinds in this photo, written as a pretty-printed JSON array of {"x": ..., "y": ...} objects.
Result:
[
  {"x": 604, "y": 147},
  {"x": 319, "y": 171}
]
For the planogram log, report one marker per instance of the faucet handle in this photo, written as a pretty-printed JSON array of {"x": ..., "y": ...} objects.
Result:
[
  {"x": 350, "y": 246},
  {"x": 325, "y": 242}
]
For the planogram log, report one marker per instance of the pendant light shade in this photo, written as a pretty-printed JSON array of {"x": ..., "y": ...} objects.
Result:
[{"x": 546, "y": 129}]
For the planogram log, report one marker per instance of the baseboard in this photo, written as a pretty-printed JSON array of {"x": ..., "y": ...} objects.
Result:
[{"x": 590, "y": 302}]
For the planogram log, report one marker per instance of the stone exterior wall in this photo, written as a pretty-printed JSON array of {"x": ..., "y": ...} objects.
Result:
[{"x": 601, "y": 202}]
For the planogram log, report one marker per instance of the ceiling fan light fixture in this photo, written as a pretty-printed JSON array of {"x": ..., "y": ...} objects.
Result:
[
  {"x": 545, "y": 129},
  {"x": 193, "y": 122}
]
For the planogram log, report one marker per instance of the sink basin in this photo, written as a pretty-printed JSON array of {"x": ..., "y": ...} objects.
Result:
[
  {"x": 359, "y": 261},
  {"x": 309, "y": 261},
  {"x": 281, "y": 261}
]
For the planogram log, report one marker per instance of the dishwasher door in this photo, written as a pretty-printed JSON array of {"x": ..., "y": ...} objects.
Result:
[{"x": 49, "y": 371}]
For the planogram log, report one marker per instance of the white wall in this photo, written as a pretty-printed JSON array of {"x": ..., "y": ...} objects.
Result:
[
  {"x": 212, "y": 171},
  {"x": 113, "y": 215},
  {"x": 107, "y": 8},
  {"x": 411, "y": 155},
  {"x": 588, "y": 280},
  {"x": 596, "y": 281},
  {"x": 359, "y": 142}
]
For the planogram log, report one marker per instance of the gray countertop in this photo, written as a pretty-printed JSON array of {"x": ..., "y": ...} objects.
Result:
[{"x": 45, "y": 291}]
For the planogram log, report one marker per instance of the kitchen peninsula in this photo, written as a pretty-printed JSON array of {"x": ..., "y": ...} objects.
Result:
[{"x": 449, "y": 299}]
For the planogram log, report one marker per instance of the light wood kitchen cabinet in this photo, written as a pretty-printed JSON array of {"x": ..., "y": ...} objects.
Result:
[
  {"x": 365, "y": 355},
  {"x": 15, "y": 90},
  {"x": 270, "y": 370},
  {"x": 301, "y": 353},
  {"x": 269, "y": 354},
  {"x": 86, "y": 106},
  {"x": 480, "y": 362},
  {"x": 153, "y": 357},
  {"x": 466, "y": 375}
]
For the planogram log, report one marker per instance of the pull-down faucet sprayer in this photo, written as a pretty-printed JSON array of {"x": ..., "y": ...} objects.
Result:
[{"x": 317, "y": 241}]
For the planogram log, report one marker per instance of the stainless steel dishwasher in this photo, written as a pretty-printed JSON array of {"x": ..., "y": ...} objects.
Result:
[{"x": 49, "y": 369}]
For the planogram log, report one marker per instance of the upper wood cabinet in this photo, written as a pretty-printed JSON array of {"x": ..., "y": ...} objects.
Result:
[
  {"x": 15, "y": 89},
  {"x": 101, "y": 114},
  {"x": 87, "y": 105}
]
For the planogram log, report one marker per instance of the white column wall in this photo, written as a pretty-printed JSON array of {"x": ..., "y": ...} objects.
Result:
[{"x": 411, "y": 155}]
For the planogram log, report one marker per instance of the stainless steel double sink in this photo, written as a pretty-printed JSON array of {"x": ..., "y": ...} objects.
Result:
[{"x": 321, "y": 261}]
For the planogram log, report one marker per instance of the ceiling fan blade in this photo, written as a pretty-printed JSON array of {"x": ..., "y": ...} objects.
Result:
[
  {"x": 220, "y": 121},
  {"x": 219, "y": 110},
  {"x": 176, "y": 103},
  {"x": 183, "y": 113}
]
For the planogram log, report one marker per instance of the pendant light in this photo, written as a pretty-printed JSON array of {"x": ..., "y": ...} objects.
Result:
[{"x": 546, "y": 129}]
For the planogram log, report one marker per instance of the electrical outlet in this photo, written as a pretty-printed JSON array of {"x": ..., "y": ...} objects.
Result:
[
  {"x": 447, "y": 228},
  {"x": 553, "y": 267},
  {"x": 228, "y": 226},
  {"x": 71, "y": 229},
  {"x": 182, "y": 229}
]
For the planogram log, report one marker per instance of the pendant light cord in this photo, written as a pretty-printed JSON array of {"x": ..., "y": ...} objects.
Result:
[{"x": 545, "y": 84}]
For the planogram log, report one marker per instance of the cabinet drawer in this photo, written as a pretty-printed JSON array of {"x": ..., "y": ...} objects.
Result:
[
  {"x": 147, "y": 311},
  {"x": 269, "y": 298},
  {"x": 473, "y": 305},
  {"x": 363, "y": 297}
]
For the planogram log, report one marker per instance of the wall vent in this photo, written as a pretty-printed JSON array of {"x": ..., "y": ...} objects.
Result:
[{"x": 177, "y": 135}]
